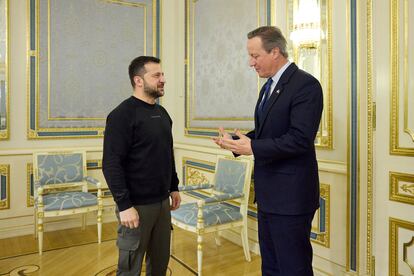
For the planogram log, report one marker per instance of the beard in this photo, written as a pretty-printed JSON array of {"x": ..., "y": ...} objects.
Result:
[{"x": 153, "y": 92}]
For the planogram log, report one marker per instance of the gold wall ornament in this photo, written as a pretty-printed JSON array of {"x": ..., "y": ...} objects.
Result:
[
  {"x": 4, "y": 70},
  {"x": 310, "y": 32},
  {"x": 216, "y": 100},
  {"x": 401, "y": 187},
  {"x": 320, "y": 232},
  {"x": 401, "y": 253},
  {"x": 402, "y": 69},
  {"x": 409, "y": 260},
  {"x": 51, "y": 115},
  {"x": 29, "y": 185},
  {"x": 195, "y": 177},
  {"x": 4, "y": 186}
]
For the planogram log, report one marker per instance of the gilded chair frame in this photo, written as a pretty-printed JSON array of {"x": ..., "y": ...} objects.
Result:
[
  {"x": 41, "y": 190},
  {"x": 216, "y": 197}
]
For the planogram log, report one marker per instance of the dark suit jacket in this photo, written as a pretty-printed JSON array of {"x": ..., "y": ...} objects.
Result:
[{"x": 285, "y": 170}]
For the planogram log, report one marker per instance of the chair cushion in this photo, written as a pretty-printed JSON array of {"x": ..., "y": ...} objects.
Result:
[
  {"x": 213, "y": 214},
  {"x": 68, "y": 200}
]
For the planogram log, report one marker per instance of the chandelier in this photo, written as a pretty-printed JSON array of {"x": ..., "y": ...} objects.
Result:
[{"x": 306, "y": 25}]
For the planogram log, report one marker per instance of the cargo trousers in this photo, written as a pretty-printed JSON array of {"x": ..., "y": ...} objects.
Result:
[{"x": 151, "y": 239}]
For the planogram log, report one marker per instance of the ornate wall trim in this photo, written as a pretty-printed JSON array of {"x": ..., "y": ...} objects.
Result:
[
  {"x": 60, "y": 94},
  {"x": 4, "y": 186},
  {"x": 321, "y": 234},
  {"x": 212, "y": 98},
  {"x": 399, "y": 35},
  {"x": 402, "y": 187},
  {"x": 401, "y": 239}
]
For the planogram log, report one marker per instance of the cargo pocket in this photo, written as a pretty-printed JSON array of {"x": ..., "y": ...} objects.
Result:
[{"x": 128, "y": 243}]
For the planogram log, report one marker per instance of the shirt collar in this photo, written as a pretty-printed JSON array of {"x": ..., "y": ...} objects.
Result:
[{"x": 279, "y": 73}]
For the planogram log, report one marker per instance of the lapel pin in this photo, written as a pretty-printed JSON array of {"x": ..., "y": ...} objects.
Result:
[{"x": 278, "y": 91}]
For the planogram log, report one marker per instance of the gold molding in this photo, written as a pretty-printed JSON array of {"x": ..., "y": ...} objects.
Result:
[
  {"x": 394, "y": 225},
  {"x": 29, "y": 175},
  {"x": 405, "y": 257},
  {"x": 186, "y": 166},
  {"x": 322, "y": 141},
  {"x": 395, "y": 189},
  {"x": 323, "y": 238},
  {"x": 370, "y": 259},
  {"x": 116, "y": 2},
  {"x": 189, "y": 97},
  {"x": 406, "y": 48},
  {"x": 5, "y": 171},
  {"x": 252, "y": 206},
  {"x": 251, "y": 118},
  {"x": 65, "y": 132},
  {"x": 5, "y": 133},
  {"x": 348, "y": 137},
  {"x": 395, "y": 40}
]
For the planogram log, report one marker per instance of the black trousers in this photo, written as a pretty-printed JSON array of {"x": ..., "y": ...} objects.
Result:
[{"x": 285, "y": 245}]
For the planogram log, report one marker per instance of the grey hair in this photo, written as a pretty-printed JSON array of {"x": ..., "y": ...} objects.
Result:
[{"x": 272, "y": 37}]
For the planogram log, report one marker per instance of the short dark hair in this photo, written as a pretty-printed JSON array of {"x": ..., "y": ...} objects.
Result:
[
  {"x": 272, "y": 37},
  {"x": 137, "y": 66}
]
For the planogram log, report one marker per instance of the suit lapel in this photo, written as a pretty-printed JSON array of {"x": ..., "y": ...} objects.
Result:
[{"x": 284, "y": 79}]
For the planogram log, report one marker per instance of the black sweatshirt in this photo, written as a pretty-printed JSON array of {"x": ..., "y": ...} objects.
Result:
[{"x": 138, "y": 159}]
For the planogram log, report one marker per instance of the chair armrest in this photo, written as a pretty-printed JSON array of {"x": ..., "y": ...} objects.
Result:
[
  {"x": 222, "y": 197},
  {"x": 93, "y": 181},
  {"x": 194, "y": 187}
]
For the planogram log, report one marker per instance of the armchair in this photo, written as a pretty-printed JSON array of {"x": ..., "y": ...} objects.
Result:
[
  {"x": 216, "y": 213},
  {"x": 61, "y": 188}
]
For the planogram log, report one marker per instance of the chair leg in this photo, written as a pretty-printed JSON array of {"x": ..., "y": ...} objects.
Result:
[
  {"x": 199, "y": 254},
  {"x": 35, "y": 225},
  {"x": 99, "y": 224},
  {"x": 217, "y": 238},
  {"x": 40, "y": 232},
  {"x": 245, "y": 242},
  {"x": 83, "y": 222}
]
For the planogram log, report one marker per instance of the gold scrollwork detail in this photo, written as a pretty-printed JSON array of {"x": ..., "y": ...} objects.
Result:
[
  {"x": 394, "y": 252},
  {"x": 195, "y": 177},
  {"x": 398, "y": 37},
  {"x": 405, "y": 254},
  {"x": 29, "y": 187},
  {"x": 401, "y": 187},
  {"x": 321, "y": 234},
  {"x": 5, "y": 171}
]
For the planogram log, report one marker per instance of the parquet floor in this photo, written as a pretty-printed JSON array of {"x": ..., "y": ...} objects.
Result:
[{"x": 75, "y": 252}]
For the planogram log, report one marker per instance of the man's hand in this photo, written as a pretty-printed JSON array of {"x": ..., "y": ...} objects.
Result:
[
  {"x": 175, "y": 200},
  {"x": 241, "y": 146},
  {"x": 222, "y": 134},
  {"x": 129, "y": 218}
]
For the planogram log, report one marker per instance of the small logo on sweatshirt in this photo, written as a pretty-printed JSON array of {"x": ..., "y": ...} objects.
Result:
[{"x": 155, "y": 116}]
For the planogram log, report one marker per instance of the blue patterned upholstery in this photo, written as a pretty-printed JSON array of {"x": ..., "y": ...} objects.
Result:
[
  {"x": 68, "y": 200},
  {"x": 60, "y": 168},
  {"x": 212, "y": 214},
  {"x": 61, "y": 189},
  {"x": 222, "y": 197},
  {"x": 230, "y": 176},
  {"x": 195, "y": 187}
]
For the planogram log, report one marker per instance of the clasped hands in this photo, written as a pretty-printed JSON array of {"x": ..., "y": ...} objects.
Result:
[{"x": 241, "y": 146}]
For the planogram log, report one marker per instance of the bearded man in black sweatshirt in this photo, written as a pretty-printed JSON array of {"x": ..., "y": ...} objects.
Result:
[{"x": 139, "y": 168}]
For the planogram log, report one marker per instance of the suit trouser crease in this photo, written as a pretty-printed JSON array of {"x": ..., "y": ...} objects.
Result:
[{"x": 285, "y": 246}]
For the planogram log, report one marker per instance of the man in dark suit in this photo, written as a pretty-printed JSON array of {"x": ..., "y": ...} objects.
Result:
[{"x": 287, "y": 117}]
